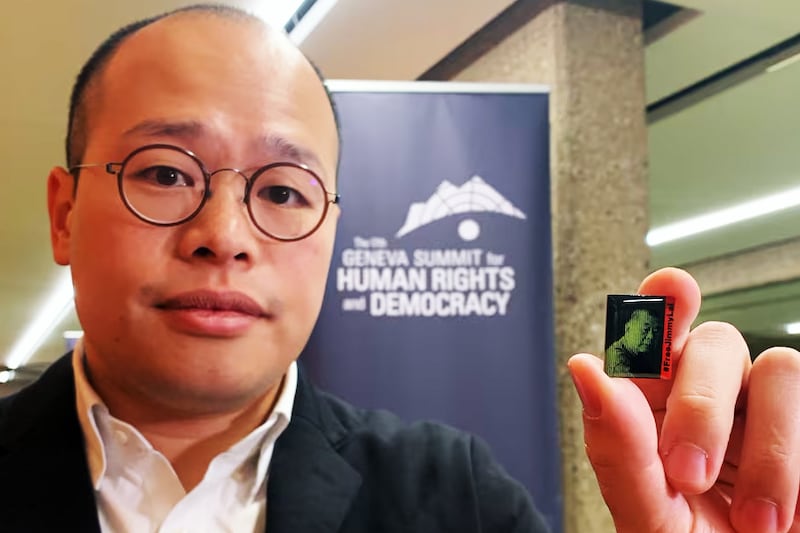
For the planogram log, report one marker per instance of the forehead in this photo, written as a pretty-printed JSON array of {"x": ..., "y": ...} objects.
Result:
[{"x": 238, "y": 78}]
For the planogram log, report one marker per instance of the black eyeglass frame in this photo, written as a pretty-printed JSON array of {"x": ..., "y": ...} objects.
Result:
[{"x": 117, "y": 169}]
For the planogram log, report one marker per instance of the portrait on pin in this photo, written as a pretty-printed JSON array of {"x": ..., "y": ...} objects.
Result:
[{"x": 634, "y": 336}]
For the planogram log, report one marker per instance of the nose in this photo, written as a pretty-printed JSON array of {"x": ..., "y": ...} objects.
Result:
[{"x": 222, "y": 231}]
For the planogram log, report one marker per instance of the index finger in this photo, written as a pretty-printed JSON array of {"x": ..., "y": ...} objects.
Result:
[{"x": 680, "y": 285}]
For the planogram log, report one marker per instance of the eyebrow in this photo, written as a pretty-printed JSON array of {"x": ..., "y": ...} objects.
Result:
[
  {"x": 161, "y": 128},
  {"x": 274, "y": 145},
  {"x": 284, "y": 149}
]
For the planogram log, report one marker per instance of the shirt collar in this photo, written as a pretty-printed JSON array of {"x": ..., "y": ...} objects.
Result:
[
  {"x": 87, "y": 401},
  {"x": 92, "y": 411}
]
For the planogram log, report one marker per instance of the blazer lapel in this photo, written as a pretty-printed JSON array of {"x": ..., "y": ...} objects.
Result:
[
  {"x": 46, "y": 484},
  {"x": 310, "y": 486}
]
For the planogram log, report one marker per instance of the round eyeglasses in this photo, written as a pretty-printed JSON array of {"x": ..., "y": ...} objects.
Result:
[{"x": 166, "y": 185}]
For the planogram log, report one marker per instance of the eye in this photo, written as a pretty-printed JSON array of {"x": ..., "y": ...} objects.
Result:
[
  {"x": 166, "y": 177},
  {"x": 281, "y": 195}
]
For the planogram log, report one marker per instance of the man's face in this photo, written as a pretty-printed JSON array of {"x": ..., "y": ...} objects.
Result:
[
  {"x": 640, "y": 331},
  {"x": 155, "y": 301}
]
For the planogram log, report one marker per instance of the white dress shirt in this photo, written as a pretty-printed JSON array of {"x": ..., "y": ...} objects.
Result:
[{"x": 137, "y": 490}]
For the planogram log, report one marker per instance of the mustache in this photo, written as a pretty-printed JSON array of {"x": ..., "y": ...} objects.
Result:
[{"x": 211, "y": 300}]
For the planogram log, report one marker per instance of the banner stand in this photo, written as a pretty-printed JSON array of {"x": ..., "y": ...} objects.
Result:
[{"x": 439, "y": 300}]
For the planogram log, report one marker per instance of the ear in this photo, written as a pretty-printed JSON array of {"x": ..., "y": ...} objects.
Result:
[{"x": 60, "y": 201}]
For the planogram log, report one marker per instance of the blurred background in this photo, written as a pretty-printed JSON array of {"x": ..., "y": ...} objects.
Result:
[{"x": 722, "y": 81}]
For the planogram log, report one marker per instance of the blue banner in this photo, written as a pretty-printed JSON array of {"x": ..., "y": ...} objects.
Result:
[{"x": 439, "y": 300}]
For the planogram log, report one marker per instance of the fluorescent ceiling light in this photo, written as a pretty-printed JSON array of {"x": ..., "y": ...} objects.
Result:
[
  {"x": 793, "y": 328},
  {"x": 780, "y": 65},
  {"x": 55, "y": 309},
  {"x": 280, "y": 14},
  {"x": 275, "y": 12},
  {"x": 311, "y": 20},
  {"x": 7, "y": 375},
  {"x": 765, "y": 205}
]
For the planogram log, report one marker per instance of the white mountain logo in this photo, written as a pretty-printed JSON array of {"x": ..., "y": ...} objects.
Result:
[{"x": 474, "y": 196}]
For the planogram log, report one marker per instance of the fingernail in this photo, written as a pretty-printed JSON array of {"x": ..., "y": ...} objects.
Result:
[
  {"x": 687, "y": 463},
  {"x": 591, "y": 403},
  {"x": 761, "y": 514}
]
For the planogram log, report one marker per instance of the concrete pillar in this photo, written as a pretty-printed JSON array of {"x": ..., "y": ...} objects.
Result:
[{"x": 591, "y": 54}]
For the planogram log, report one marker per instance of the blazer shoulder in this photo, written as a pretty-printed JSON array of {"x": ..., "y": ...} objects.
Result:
[
  {"x": 47, "y": 405},
  {"x": 432, "y": 466},
  {"x": 388, "y": 428},
  {"x": 5, "y": 402}
]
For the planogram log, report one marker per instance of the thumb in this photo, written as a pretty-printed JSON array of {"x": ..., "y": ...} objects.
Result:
[{"x": 622, "y": 445}]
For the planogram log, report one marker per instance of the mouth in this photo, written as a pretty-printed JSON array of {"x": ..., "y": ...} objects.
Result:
[
  {"x": 212, "y": 301},
  {"x": 208, "y": 313}
]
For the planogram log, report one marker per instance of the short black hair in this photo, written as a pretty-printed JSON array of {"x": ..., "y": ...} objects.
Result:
[{"x": 77, "y": 126}]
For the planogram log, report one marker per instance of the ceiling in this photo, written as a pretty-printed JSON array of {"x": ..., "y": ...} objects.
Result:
[
  {"x": 728, "y": 148},
  {"x": 734, "y": 146}
]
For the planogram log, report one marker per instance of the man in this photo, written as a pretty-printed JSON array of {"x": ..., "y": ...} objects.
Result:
[
  {"x": 197, "y": 289},
  {"x": 198, "y": 215},
  {"x": 631, "y": 353}
]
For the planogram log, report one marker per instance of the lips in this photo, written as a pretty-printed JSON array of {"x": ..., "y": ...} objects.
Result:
[
  {"x": 215, "y": 314},
  {"x": 213, "y": 301}
]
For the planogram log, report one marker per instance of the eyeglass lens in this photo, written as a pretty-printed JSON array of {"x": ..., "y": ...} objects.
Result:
[{"x": 167, "y": 186}]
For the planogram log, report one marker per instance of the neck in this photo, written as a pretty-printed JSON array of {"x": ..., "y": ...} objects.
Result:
[
  {"x": 189, "y": 439},
  {"x": 190, "y": 444}
]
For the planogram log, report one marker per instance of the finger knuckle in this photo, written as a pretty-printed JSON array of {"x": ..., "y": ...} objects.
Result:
[
  {"x": 773, "y": 457},
  {"x": 601, "y": 460},
  {"x": 715, "y": 331},
  {"x": 700, "y": 400},
  {"x": 778, "y": 358}
]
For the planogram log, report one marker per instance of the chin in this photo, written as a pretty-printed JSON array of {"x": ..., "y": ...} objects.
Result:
[{"x": 214, "y": 395}]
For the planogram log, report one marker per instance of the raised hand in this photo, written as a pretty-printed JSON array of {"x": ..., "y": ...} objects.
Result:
[{"x": 716, "y": 449}]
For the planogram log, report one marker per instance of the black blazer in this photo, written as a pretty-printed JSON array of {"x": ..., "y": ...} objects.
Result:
[{"x": 335, "y": 469}]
